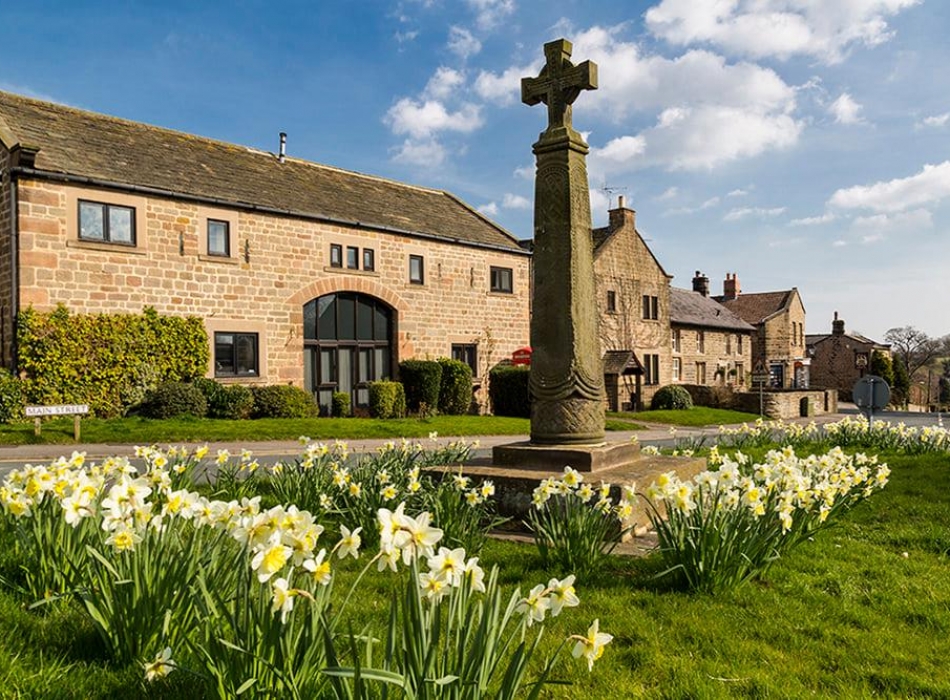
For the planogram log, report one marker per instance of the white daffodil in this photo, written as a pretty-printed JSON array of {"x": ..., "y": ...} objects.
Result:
[
  {"x": 562, "y": 594},
  {"x": 161, "y": 666},
  {"x": 449, "y": 564},
  {"x": 282, "y": 598},
  {"x": 349, "y": 543},
  {"x": 270, "y": 558},
  {"x": 536, "y": 605},
  {"x": 591, "y": 647}
]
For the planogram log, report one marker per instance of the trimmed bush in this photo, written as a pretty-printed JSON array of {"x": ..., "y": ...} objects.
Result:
[
  {"x": 282, "y": 401},
  {"x": 226, "y": 401},
  {"x": 455, "y": 393},
  {"x": 175, "y": 399},
  {"x": 340, "y": 404},
  {"x": 387, "y": 400},
  {"x": 109, "y": 361},
  {"x": 671, "y": 397},
  {"x": 11, "y": 397},
  {"x": 508, "y": 389},
  {"x": 422, "y": 380}
]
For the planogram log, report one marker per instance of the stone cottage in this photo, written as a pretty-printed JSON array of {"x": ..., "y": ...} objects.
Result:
[
  {"x": 841, "y": 358},
  {"x": 303, "y": 273}
]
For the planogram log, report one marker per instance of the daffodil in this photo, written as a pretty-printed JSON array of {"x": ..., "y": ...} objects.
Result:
[
  {"x": 350, "y": 543},
  {"x": 319, "y": 568},
  {"x": 591, "y": 647},
  {"x": 161, "y": 666},
  {"x": 563, "y": 594}
]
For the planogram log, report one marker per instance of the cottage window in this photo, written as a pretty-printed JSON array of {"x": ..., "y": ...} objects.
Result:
[
  {"x": 467, "y": 353},
  {"x": 502, "y": 280},
  {"x": 235, "y": 355},
  {"x": 417, "y": 269},
  {"x": 369, "y": 259},
  {"x": 611, "y": 302},
  {"x": 701, "y": 342},
  {"x": 677, "y": 340},
  {"x": 651, "y": 308},
  {"x": 700, "y": 372},
  {"x": 676, "y": 369},
  {"x": 739, "y": 343},
  {"x": 107, "y": 223},
  {"x": 651, "y": 369},
  {"x": 336, "y": 255},
  {"x": 219, "y": 238},
  {"x": 728, "y": 343},
  {"x": 353, "y": 258}
]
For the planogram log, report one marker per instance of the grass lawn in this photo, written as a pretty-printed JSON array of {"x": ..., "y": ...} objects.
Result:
[
  {"x": 141, "y": 431},
  {"x": 696, "y": 416},
  {"x": 859, "y": 612}
]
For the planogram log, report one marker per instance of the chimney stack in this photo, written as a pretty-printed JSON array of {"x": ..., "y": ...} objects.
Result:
[
  {"x": 837, "y": 327},
  {"x": 282, "y": 153},
  {"x": 621, "y": 217},
  {"x": 730, "y": 288},
  {"x": 701, "y": 284}
]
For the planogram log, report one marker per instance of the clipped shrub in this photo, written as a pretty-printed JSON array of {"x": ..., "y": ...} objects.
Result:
[
  {"x": 422, "y": 380},
  {"x": 508, "y": 389},
  {"x": 387, "y": 400},
  {"x": 340, "y": 404},
  {"x": 671, "y": 397},
  {"x": 226, "y": 401},
  {"x": 282, "y": 401},
  {"x": 174, "y": 399},
  {"x": 109, "y": 361},
  {"x": 11, "y": 397},
  {"x": 455, "y": 392}
]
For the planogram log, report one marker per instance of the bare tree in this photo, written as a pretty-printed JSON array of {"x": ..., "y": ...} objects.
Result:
[{"x": 914, "y": 347}]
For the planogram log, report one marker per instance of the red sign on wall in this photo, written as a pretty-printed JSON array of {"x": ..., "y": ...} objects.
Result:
[{"x": 521, "y": 356}]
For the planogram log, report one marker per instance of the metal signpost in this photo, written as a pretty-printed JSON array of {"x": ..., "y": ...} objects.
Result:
[
  {"x": 871, "y": 394},
  {"x": 761, "y": 377}
]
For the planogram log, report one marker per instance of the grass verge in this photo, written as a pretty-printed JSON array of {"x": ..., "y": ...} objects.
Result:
[{"x": 697, "y": 416}]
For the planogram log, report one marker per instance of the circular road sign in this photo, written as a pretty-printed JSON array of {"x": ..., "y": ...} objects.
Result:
[{"x": 871, "y": 392}]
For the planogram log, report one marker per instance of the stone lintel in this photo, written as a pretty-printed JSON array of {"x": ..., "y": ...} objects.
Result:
[
  {"x": 553, "y": 458},
  {"x": 559, "y": 140}
]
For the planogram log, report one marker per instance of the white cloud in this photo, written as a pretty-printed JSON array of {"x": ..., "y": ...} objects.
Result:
[
  {"x": 599, "y": 203},
  {"x": 839, "y": 243},
  {"x": 930, "y": 185},
  {"x": 879, "y": 226},
  {"x": 525, "y": 173},
  {"x": 514, "y": 201},
  {"x": 813, "y": 220},
  {"x": 444, "y": 83},
  {"x": 463, "y": 43},
  {"x": 490, "y": 13},
  {"x": 669, "y": 193},
  {"x": 738, "y": 193},
  {"x": 845, "y": 110},
  {"x": 503, "y": 88},
  {"x": 776, "y": 28},
  {"x": 490, "y": 209},
  {"x": 937, "y": 121},
  {"x": 753, "y": 212},
  {"x": 406, "y": 37},
  {"x": 709, "y": 203},
  {"x": 427, "y": 152},
  {"x": 422, "y": 118}
]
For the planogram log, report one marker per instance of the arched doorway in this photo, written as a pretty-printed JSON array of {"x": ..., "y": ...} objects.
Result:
[{"x": 347, "y": 344}]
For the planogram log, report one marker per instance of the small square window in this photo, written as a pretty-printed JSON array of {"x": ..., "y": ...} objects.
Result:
[
  {"x": 502, "y": 280},
  {"x": 467, "y": 353},
  {"x": 369, "y": 259},
  {"x": 106, "y": 223},
  {"x": 336, "y": 255},
  {"x": 219, "y": 238},
  {"x": 611, "y": 302},
  {"x": 235, "y": 355},
  {"x": 417, "y": 269},
  {"x": 353, "y": 258}
]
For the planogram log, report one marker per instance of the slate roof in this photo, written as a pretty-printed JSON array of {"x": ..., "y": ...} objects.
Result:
[
  {"x": 691, "y": 308},
  {"x": 755, "y": 308},
  {"x": 622, "y": 362},
  {"x": 815, "y": 338},
  {"x": 118, "y": 152}
]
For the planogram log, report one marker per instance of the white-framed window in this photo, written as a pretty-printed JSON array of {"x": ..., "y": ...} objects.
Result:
[
  {"x": 219, "y": 238},
  {"x": 677, "y": 340},
  {"x": 676, "y": 369}
]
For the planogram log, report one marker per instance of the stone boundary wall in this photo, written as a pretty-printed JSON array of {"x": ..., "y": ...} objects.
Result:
[{"x": 788, "y": 404}]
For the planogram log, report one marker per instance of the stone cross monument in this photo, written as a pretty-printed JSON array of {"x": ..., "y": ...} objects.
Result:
[{"x": 567, "y": 376}]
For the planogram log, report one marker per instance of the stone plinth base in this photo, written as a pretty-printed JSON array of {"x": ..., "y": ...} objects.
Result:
[{"x": 553, "y": 458}]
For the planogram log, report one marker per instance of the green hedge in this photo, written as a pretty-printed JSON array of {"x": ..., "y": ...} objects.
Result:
[
  {"x": 455, "y": 392},
  {"x": 226, "y": 401},
  {"x": 508, "y": 389},
  {"x": 11, "y": 397},
  {"x": 340, "y": 404},
  {"x": 671, "y": 397},
  {"x": 387, "y": 400},
  {"x": 174, "y": 399},
  {"x": 109, "y": 361},
  {"x": 422, "y": 380},
  {"x": 283, "y": 401}
]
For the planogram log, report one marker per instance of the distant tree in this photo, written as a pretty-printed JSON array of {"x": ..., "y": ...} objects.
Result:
[
  {"x": 900, "y": 389},
  {"x": 881, "y": 366},
  {"x": 914, "y": 347},
  {"x": 943, "y": 384}
]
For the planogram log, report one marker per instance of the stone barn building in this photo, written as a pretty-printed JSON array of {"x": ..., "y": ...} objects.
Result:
[{"x": 840, "y": 359}]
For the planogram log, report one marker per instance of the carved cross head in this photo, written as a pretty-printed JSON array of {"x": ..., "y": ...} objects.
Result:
[{"x": 559, "y": 83}]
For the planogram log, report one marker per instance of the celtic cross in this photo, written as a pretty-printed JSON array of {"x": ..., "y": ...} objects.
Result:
[{"x": 559, "y": 83}]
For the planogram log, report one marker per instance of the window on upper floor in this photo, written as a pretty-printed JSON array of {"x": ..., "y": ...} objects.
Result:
[
  {"x": 651, "y": 369},
  {"x": 336, "y": 255},
  {"x": 611, "y": 301},
  {"x": 739, "y": 342},
  {"x": 106, "y": 223},
  {"x": 651, "y": 308},
  {"x": 501, "y": 280},
  {"x": 369, "y": 259},
  {"x": 219, "y": 238},
  {"x": 677, "y": 340},
  {"x": 417, "y": 273},
  {"x": 676, "y": 369},
  {"x": 352, "y": 257},
  {"x": 235, "y": 355},
  {"x": 728, "y": 343},
  {"x": 701, "y": 342}
]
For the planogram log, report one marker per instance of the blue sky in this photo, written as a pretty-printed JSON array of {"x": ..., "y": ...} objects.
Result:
[{"x": 794, "y": 142}]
